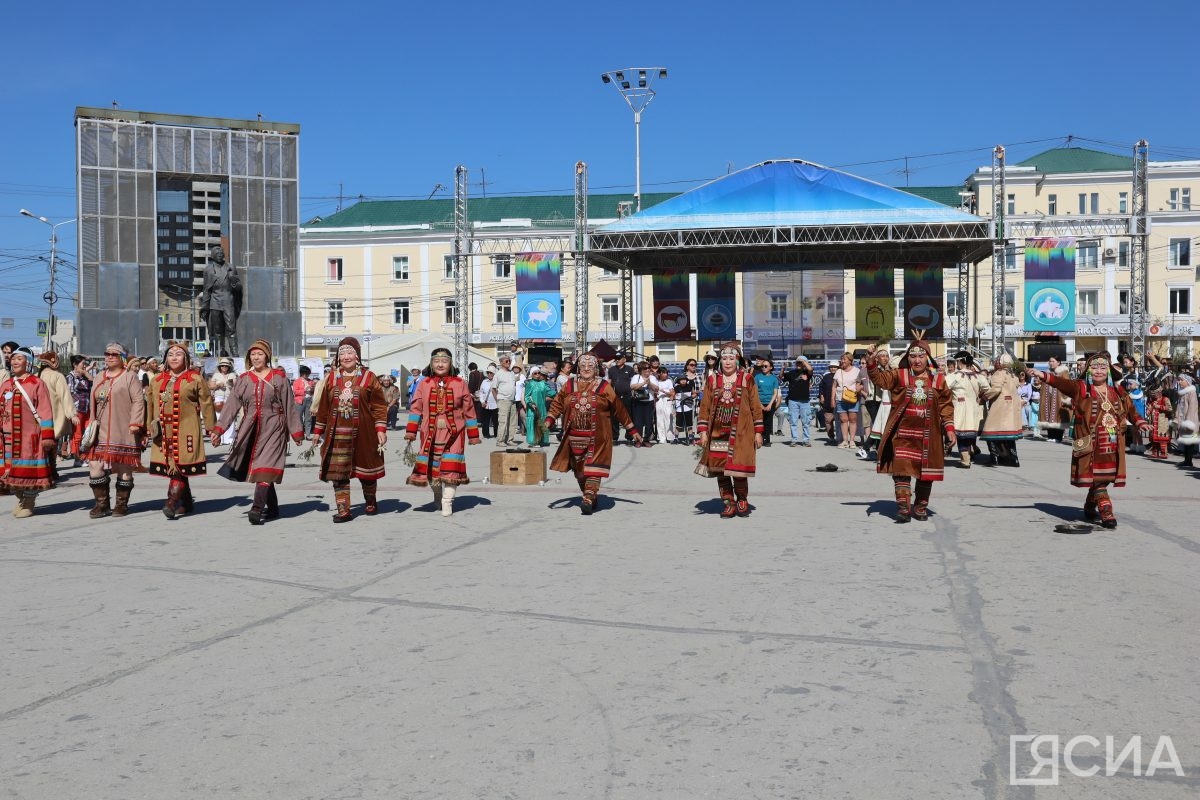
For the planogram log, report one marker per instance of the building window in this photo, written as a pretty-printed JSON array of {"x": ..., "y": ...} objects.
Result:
[
  {"x": 399, "y": 312},
  {"x": 778, "y": 306},
  {"x": 1095, "y": 204},
  {"x": 562, "y": 309},
  {"x": 1052, "y": 204},
  {"x": 606, "y": 272},
  {"x": 610, "y": 311},
  {"x": 1012, "y": 204},
  {"x": 1087, "y": 255},
  {"x": 667, "y": 352},
  {"x": 399, "y": 268},
  {"x": 1010, "y": 258},
  {"x": 953, "y": 301},
  {"x": 333, "y": 271},
  {"x": 1122, "y": 254},
  {"x": 1185, "y": 199},
  {"x": 503, "y": 267},
  {"x": 504, "y": 312},
  {"x": 1089, "y": 201},
  {"x": 448, "y": 268},
  {"x": 1123, "y": 202},
  {"x": 835, "y": 305},
  {"x": 1089, "y": 300},
  {"x": 1082, "y": 203},
  {"x": 1010, "y": 302},
  {"x": 1180, "y": 301},
  {"x": 1173, "y": 200},
  {"x": 449, "y": 308},
  {"x": 1122, "y": 301},
  {"x": 335, "y": 314},
  {"x": 1179, "y": 253}
]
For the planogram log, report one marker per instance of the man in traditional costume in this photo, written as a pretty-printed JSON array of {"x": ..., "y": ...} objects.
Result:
[
  {"x": 730, "y": 430},
  {"x": 586, "y": 404},
  {"x": 1101, "y": 409},
  {"x": 119, "y": 414},
  {"x": 352, "y": 422},
  {"x": 270, "y": 418},
  {"x": 443, "y": 411},
  {"x": 922, "y": 415},
  {"x": 1054, "y": 410},
  {"x": 27, "y": 430},
  {"x": 179, "y": 403}
]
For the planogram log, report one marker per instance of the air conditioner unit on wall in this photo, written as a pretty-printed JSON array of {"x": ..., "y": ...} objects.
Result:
[{"x": 1110, "y": 248}]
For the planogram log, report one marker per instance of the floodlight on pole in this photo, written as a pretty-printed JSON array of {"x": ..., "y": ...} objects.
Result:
[
  {"x": 637, "y": 90},
  {"x": 50, "y": 296}
]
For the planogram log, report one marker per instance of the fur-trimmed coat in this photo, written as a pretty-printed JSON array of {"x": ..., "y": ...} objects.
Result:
[
  {"x": 1187, "y": 418},
  {"x": 605, "y": 405},
  {"x": 1003, "y": 420},
  {"x": 372, "y": 420},
  {"x": 741, "y": 461},
  {"x": 1081, "y": 404},
  {"x": 900, "y": 384}
]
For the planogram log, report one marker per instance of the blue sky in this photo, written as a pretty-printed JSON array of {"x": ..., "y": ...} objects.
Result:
[{"x": 391, "y": 98}]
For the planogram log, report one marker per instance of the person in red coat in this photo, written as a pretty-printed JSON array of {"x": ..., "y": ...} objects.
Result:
[
  {"x": 443, "y": 411},
  {"x": 27, "y": 430}
]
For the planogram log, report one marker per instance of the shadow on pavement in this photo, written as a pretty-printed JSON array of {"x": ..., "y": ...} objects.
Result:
[
  {"x": 1066, "y": 513},
  {"x": 884, "y": 508},
  {"x": 603, "y": 502}
]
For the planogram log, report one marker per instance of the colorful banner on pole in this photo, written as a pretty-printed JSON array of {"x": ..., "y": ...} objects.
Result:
[
  {"x": 1050, "y": 284},
  {"x": 539, "y": 301},
  {"x": 923, "y": 300},
  {"x": 672, "y": 320},
  {"x": 715, "y": 298},
  {"x": 874, "y": 302}
]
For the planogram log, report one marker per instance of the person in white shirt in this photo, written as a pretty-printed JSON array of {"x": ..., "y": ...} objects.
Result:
[
  {"x": 504, "y": 390},
  {"x": 662, "y": 389}
]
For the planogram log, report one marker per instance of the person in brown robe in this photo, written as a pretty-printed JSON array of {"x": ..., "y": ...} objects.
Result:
[
  {"x": 119, "y": 409},
  {"x": 586, "y": 405},
  {"x": 1054, "y": 410},
  {"x": 911, "y": 447},
  {"x": 26, "y": 434},
  {"x": 352, "y": 423},
  {"x": 179, "y": 403},
  {"x": 1101, "y": 409},
  {"x": 259, "y": 452},
  {"x": 729, "y": 430}
]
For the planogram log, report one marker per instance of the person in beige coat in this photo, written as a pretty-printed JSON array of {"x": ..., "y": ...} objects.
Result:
[
  {"x": 1187, "y": 418},
  {"x": 60, "y": 398},
  {"x": 967, "y": 385},
  {"x": 1002, "y": 425}
]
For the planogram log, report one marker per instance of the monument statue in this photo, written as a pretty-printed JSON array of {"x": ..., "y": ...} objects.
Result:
[{"x": 221, "y": 304}]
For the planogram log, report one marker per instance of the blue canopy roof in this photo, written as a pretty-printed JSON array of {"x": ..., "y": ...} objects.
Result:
[{"x": 788, "y": 193}]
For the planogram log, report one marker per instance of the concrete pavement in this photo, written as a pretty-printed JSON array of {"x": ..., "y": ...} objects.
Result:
[{"x": 653, "y": 650}]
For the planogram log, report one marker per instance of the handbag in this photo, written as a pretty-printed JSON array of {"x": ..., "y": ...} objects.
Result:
[
  {"x": 849, "y": 395},
  {"x": 155, "y": 431},
  {"x": 88, "y": 440},
  {"x": 1081, "y": 445},
  {"x": 641, "y": 395}
]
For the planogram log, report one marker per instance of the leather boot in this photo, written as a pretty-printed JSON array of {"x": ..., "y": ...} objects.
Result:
[
  {"x": 903, "y": 502},
  {"x": 1090, "y": 513},
  {"x": 447, "y": 501},
  {"x": 257, "y": 508},
  {"x": 741, "y": 489},
  {"x": 920, "y": 509},
  {"x": 436, "y": 485},
  {"x": 966, "y": 458},
  {"x": 25, "y": 501},
  {"x": 725, "y": 488},
  {"x": 272, "y": 510},
  {"x": 100, "y": 490},
  {"x": 341, "y": 499},
  {"x": 172, "y": 508},
  {"x": 370, "y": 498},
  {"x": 186, "y": 502},
  {"x": 121, "y": 506}
]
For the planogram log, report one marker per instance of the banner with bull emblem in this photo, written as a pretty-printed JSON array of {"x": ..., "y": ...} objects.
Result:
[
  {"x": 715, "y": 298},
  {"x": 539, "y": 298},
  {"x": 1050, "y": 284},
  {"x": 672, "y": 320}
]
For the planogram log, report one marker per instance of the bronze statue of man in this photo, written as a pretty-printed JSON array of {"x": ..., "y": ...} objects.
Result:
[{"x": 221, "y": 304}]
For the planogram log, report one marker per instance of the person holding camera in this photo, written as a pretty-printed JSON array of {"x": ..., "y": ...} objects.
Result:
[{"x": 642, "y": 393}]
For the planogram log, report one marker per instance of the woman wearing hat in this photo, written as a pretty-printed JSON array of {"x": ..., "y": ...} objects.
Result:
[
  {"x": 270, "y": 416},
  {"x": 220, "y": 385},
  {"x": 179, "y": 403},
  {"x": 538, "y": 392},
  {"x": 1100, "y": 411},
  {"x": 60, "y": 397},
  {"x": 352, "y": 424},
  {"x": 443, "y": 411},
  {"x": 729, "y": 431},
  {"x": 27, "y": 430},
  {"x": 967, "y": 385},
  {"x": 1002, "y": 425},
  {"x": 1187, "y": 419},
  {"x": 922, "y": 413},
  {"x": 119, "y": 411},
  {"x": 586, "y": 404}
]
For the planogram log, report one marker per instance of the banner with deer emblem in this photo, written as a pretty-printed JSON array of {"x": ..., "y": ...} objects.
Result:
[{"x": 539, "y": 298}]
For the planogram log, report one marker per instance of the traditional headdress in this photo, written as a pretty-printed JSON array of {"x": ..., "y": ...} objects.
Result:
[
  {"x": 734, "y": 348},
  {"x": 259, "y": 344},
  {"x": 964, "y": 355},
  {"x": 919, "y": 346},
  {"x": 120, "y": 348},
  {"x": 25, "y": 353},
  {"x": 182, "y": 346},
  {"x": 587, "y": 359},
  {"x": 350, "y": 344},
  {"x": 438, "y": 352},
  {"x": 1102, "y": 356}
]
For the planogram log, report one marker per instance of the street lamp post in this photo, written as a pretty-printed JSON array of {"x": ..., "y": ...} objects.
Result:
[
  {"x": 635, "y": 86},
  {"x": 50, "y": 297}
]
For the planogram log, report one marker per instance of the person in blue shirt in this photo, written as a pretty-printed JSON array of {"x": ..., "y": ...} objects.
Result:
[{"x": 768, "y": 395}]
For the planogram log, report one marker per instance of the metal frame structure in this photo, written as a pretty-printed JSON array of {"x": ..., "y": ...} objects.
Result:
[
  {"x": 962, "y": 332},
  {"x": 579, "y": 256},
  {"x": 462, "y": 246},
  {"x": 999, "y": 251},
  {"x": 1139, "y": 276}
]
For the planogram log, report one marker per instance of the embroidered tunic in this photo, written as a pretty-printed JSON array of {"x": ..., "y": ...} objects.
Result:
[
  {"x": 119, "y": 405},
  {"x": 730, "y": 414},
  {"x": 180, "y": 403},
  {"x": 443, "y": 412},
  {"x": 1100, "y": 414},
  {"x": 352, "y": 411},
  {"x": 23, "y": 428},
  {"x": 586, "y": 411},
  {"x": 259, "y": 451},
  {"x": 922, "y": 408}
]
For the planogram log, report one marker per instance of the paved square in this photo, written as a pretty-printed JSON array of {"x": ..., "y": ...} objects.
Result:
[{"x": 653, "y": 650}]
